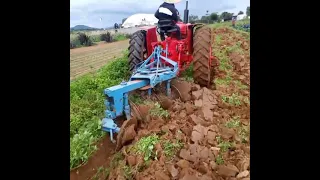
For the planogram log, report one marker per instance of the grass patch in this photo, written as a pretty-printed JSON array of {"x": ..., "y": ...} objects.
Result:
[
  {"x": 240, "y": 85},
  {"x": 218, "y": 39},
  {"x": 234, "y": 122},
  {"x": 224, "y": 60},
  {"x": 119, "y": 37},
  {"x": 171, "y": 148},
  {"x": 136, "y": 99},
  {"x": 95, "y": 38},
  {"x": 225, "y": 81},
  {"x": 224, "y": 145},
  {"x": 158, "y": 111},
  {"x": 187, "y": 75},
  {"x": 145, "y": 147},
  {"x": 244, "y": 133},
  {"x": 189, "y": 79},
  {"x": 235, "y": 48},
  {"x": 87, "y": 108},
  {"x": 246, "y": 100},
  {"x": 128, "y": 172},
  {"x": 234, "y": 99},
  {"x": 221, "y": 24},
  {"x": 102, "y": 171},
  {"x": 82, "y": 39},
  {"x": 219, "y": 159},
  {"x": 106, "y": 37},
  {"x": 116, "y": 159}
]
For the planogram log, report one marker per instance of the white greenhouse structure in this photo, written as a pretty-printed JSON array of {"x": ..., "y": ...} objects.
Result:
[{"x": 140, "y": 20}]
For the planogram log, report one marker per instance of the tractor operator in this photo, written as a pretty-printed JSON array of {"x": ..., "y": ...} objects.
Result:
[{"x": 167, "y": 11}]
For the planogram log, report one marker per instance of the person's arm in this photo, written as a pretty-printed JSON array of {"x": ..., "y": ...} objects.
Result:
[
  {"x": 175, "y": 14},
  {"x": 179, "y": 17}
]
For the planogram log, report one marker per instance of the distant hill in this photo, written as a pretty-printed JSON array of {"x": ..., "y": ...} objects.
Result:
[{"x": 82, "y": 28}]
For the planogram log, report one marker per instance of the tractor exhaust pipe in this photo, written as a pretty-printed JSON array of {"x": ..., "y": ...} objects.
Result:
[{"x": 186, "y": 14}]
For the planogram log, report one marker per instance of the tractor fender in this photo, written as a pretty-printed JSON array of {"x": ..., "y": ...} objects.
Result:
[
  {"x": 197, "y": 25},
  {"x": 147, "y": 27}
]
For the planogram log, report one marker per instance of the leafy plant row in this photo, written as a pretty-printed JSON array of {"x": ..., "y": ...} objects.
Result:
[
  {"x": 243, "y": 25},
  {"x": 87, "y": 108},
  {"x": 84, "y": 40}
]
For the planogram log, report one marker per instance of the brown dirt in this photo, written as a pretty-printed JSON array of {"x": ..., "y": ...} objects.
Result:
[
  {"x": 100, "y": 158},
  {"x": 198, "y": 121}
]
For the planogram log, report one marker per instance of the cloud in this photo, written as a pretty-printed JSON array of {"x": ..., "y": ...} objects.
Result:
[{"x": 89, "y": 12}]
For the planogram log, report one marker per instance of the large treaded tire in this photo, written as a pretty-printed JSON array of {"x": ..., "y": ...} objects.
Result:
[
  {"x": 203, "y": 71},
  {"x": 137, "y": 49}
]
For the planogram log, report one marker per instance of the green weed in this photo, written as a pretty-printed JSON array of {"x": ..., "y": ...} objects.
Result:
[
  {"x": 87, "y": 108},
  {"x": 219, "y": 159},
  {"x": 189, "y": 79},
  {"x": 224, "y": 61},
  {"x": 116, "y": 159},
  {"x": 235, "y": 48},
  {"x": 146, "y": 145},
  {"x": 219, "y": 139},
  {"x": 234, "y": 99},
  {"x": 225, "y": 145},
  {"x": 225, "y": 81},
  {"x": 158, "y": 111},
  {"x": 246, "y": 100},
  {"x": 171, "y": 148},
  {"x": 119, "y": 37},
  {"x": 188, "y": 73},
  {"x": 128, "y": 173},
  {"x": 136, "y": 99},
  {"x": 101, "y": 172},
  {"x": 218, "y": 39},
  {"x": 240, "y": 85},
  {"x": 244, "y": 133},
  {"x": 222, "y": 24},
  {"x": 233, "y": 123},
  {"x": 95, "y": 38}
]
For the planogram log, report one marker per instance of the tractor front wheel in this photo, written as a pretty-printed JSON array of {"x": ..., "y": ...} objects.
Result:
[
  {"x": 137, "y": 49},
  {"x": 203, "y": 69}
]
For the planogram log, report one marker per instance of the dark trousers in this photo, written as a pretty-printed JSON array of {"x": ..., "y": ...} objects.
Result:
[{"x": 177, "y": 32}]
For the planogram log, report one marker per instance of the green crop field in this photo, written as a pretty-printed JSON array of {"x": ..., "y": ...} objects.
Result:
[{"x": 87, "y": 108}]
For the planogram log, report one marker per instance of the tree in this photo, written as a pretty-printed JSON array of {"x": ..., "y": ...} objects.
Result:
[
  {"x": 240, "y": 12},
  {"x": 123, "y": 20},
  {"x": 248, "y": 11},
  {"x": 226, "y": 16},
  {"x": 193, "y": 18},
  {"x": 204, "y": 19},
  {"x": 214, "y": 17}
]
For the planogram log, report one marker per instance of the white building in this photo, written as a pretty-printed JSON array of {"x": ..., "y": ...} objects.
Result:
[
  {"x": 241, "y": 16},
  {"x": 140, "y": 20}
]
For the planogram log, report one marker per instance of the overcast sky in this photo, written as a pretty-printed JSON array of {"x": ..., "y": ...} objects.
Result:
[{"x": 89, "y": 12}]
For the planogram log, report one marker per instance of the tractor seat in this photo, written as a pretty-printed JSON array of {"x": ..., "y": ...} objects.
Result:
[{"x": 166, "y": 26}]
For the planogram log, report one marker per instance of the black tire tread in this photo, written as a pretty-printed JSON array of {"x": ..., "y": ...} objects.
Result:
[
  {"x": 136, "y": 46},
  {"x": 202, "y": 42}
]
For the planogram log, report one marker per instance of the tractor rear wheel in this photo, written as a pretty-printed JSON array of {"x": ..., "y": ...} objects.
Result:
[
  {"x": 137, "y": 49},
  {"x": 203, "y": 69}
]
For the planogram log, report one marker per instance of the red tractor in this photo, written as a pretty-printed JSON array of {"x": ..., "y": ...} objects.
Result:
[
  {"x": 152, "y": 62},
  {"x": 194, "y": 47}
]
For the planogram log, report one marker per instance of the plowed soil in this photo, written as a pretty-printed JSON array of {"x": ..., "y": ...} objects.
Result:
[{"x": 203, "y": 135}]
